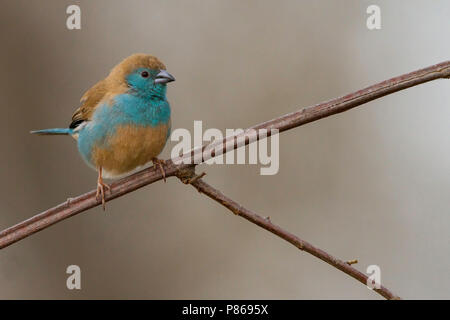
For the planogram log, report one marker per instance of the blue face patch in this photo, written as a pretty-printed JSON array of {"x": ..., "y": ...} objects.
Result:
[{"x": 142, "y": 82}]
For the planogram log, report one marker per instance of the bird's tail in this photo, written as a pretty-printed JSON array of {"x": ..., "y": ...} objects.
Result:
[{"x": 54, "y": 131}]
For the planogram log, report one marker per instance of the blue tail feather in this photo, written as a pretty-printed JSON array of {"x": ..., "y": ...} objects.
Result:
[{"x": 54, "y": 131}]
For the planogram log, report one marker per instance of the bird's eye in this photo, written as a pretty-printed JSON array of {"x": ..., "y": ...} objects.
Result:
[{"x": 144, "y": 74}]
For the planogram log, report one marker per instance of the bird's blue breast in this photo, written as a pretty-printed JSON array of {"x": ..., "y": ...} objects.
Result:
[{"x": 124, "y": 110}]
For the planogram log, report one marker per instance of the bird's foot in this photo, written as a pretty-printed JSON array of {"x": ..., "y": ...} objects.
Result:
[
  {"x": 160, "y": 163},
  {"x": 101, "y": 186}
]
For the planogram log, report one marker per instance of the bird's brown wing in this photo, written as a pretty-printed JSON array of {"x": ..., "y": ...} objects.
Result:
[{"x": 89, "y": 102}]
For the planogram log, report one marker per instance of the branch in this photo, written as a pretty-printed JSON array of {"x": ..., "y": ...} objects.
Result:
[
  {"x": 265, "y": 223},
  {"x": 147, "y": 176}
]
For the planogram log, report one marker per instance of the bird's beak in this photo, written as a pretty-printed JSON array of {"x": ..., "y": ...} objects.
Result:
[{"x": 164, "y": 77}]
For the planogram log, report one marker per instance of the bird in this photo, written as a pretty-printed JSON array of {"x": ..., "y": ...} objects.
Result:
[{"x": 124, "y": 120}]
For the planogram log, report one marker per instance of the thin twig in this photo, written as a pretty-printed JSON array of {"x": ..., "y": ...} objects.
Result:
[
  {"x": 121, "y": 187},
  {"x": 264, "y": 223}
]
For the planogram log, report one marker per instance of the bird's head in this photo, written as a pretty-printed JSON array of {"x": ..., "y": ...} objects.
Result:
[{"x": 143, "y": 75}]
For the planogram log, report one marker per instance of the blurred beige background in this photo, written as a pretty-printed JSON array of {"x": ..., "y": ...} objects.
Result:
[{"x": 372, "y": 183}]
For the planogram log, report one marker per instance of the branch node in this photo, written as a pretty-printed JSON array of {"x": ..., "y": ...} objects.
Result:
[
  {"x": 350, "y": 262},
  {"x": 185, "y": 174},
  {"x": 196, "y": 177},
  {"x": 188, "y": 175},
  {"x": 69, "y": 201}
]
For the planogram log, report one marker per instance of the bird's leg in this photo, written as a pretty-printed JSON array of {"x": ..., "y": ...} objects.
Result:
[
  {"x": 160, "y": 163},
  {"x": 101, "y": 188}
]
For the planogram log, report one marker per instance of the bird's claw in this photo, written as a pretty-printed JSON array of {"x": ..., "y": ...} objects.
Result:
[
  {"x": 160, "y": 163},
  {"x": 101, "y": 186}
]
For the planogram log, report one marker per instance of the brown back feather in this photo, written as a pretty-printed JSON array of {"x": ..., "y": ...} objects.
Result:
[{"x": 89, "y": 101}]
